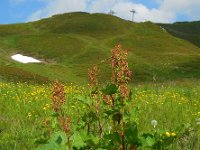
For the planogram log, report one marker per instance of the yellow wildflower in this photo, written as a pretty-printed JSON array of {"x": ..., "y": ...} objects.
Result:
[
  {"x": 167, "y": 134},
  {"x": 173, "y": 134}
]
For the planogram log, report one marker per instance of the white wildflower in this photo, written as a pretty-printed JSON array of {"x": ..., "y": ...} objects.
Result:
[{"x": 154, "y": 123}]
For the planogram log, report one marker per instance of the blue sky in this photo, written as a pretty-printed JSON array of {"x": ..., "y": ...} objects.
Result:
[
  {"x": 14, "y": 11},
  {"x": 18, "y": 11}
]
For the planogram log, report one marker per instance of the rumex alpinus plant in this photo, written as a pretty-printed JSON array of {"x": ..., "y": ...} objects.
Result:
[
  {"x": 58, "y": 98},
  {"x": 94, "y": 94},
  {"x": 121, "y": 75}
]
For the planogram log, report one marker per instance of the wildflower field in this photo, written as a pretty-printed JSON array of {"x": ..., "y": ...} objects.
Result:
[
  {"x": 25, "y": 108},
  {"x": 111, "y": 116}
]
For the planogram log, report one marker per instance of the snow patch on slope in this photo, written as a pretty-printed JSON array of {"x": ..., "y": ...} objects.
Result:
[{"x": 24, "y": 59}]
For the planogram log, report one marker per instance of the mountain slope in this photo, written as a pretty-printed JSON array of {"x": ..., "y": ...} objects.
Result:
[
  {"x": 186, "y": 30},
  {"x": 70, "y": 43}
]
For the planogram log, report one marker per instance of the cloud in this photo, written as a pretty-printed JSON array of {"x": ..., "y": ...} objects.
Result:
[
  {"x": 167, "y": 11},
  {"x": 190, "y": 8},
  {"x": 102, "y": 5},
  {"x": 59, "y": 6}
]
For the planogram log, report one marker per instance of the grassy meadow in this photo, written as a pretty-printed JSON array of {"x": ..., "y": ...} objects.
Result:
[{"x": 25, "y": 107}]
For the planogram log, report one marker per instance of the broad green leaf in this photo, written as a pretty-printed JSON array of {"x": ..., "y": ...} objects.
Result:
[
  {"x": 150, "y": 141},
  {"x": 56, "y": 142},
  {"x": 77, "y": 141},
  {"x": 131, "y": 133},
  {"x": 110, "y": 89},
  {"x": 147, "y": 140}
]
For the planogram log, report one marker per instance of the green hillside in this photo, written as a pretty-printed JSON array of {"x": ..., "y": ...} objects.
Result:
[
  {"x": 70, "y": 43},
  {"x": 186, "y": 30}
]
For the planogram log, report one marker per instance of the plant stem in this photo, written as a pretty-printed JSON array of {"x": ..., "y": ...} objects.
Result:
[
  {"x": 88, "y": 129},
  {"x": 113, "y": 102},
  {"x": 122, "y": 133},
  {"x": 98, "y": 118},
  {"x": 68, "y": 143}
]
